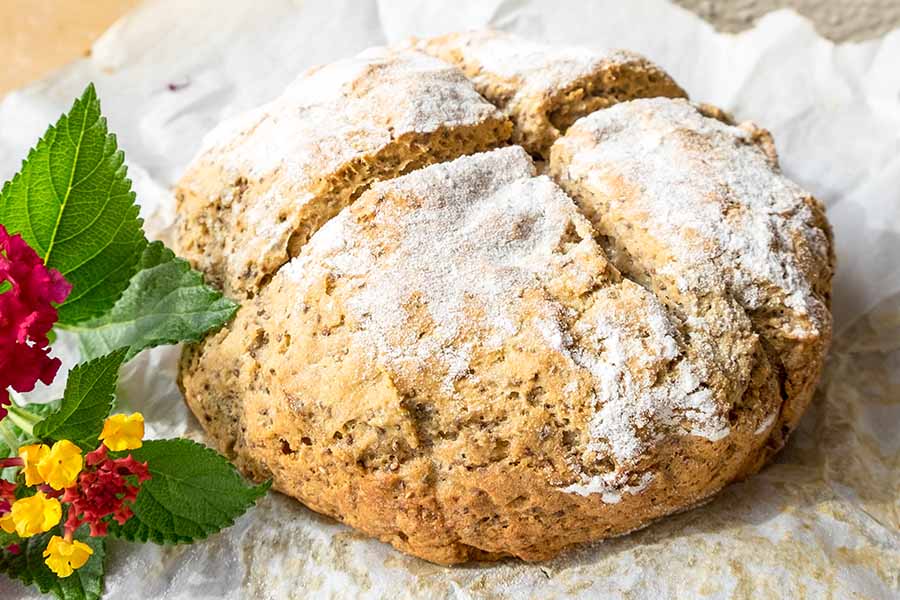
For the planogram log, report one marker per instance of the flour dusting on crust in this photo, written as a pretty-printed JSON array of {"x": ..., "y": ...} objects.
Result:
[
  {"x": 544, "y": 88},
  {"x": 713, "y": 200},
  {"x": 537, "y": 68},
  {"x": 481, "y": 231},
  {"x": 334, "y": 112},
  {"x": 480, "y": 227},
  {"x": 265, "y": 181},
  {"x": 644, "y": 386}
]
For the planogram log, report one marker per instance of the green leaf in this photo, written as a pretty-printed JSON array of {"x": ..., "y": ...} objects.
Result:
[
  {"x": 40, "y": 410},
  {"x": 8, "y": 538},
  {"x": 73, "y": 204},
  {"x": 28, "y": 566},
  {"x": 194, "y": 492},
  {"x": 86, "y": 402},
  {"x": 166, "y": 303}
]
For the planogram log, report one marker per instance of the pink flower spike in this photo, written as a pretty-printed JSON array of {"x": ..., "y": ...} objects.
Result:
[{"x": 27, "y": 313}]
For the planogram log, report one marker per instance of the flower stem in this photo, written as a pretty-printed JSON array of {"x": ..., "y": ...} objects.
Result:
[
  {"x": 22, "y": 418},
  {"x": 9, "y": 438}
]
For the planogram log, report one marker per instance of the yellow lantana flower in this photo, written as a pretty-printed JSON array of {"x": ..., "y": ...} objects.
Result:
[
  {"x": 31, "y": 516},
  {"x": 32, "y": 455},
  {"x": 63, "y": 557},
  {"x": 60, "y": 467},
  {"x": 122, "y": 432}
]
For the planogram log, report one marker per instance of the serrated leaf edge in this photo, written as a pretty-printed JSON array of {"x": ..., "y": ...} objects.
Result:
[
  {"x": 144, "y": 533},
  {"x": 227, "y": 310},
  {"x": 39, "y": 426}
]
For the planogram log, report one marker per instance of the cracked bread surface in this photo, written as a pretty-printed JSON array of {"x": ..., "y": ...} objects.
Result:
[
  {"x": 474, "y": 360},
  {"x": 266, "y": 180},
  {"x": 692, "y": 206},
  {"x": 452, "y": 365},
  {"x": 544, "y": 88}
]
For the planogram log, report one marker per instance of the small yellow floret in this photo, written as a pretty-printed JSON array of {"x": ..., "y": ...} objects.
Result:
[
  {"x": 60, "y": 467},
  {"x": 64, "y": 557},
  {"x": 32, "y": 455},
  {"x": 31, "y": 516},
  {"x": 122, "y": 432}
]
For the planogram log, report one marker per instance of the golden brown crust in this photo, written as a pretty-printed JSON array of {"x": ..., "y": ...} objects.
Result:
[
  {"x": 543, "y": 89},
  {"x": 698, "y": 206},
  {"x": 569, "y": 408},
  {"x": 460, "y": 364},
  {"x": 268, "y": 179}
]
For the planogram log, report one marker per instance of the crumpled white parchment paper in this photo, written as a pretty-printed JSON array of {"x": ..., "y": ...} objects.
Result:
[{"x": 822, "y": 522}]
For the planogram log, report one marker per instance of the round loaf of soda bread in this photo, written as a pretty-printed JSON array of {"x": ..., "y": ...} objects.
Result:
[{"x": 471, "y": 360}]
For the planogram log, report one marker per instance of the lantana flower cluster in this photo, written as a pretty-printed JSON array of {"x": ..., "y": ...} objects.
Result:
[
  {"x": 91, "y": 489},
  {"x": 55, "y": 481},
  {"x": 27, "y": 313}
]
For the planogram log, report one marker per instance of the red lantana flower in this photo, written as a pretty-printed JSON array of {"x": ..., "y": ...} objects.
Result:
[
  {"x": 106, "y": 487},
  {"x": 7, "y": 495},
  {"x": 27, "y": 313}
]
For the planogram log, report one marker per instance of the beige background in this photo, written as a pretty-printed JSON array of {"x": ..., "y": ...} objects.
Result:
[{"x": 37, "y": 36}]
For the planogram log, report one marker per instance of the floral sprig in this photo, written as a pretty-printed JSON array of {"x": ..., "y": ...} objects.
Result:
[
  {"x": 75, "y": 257},
  {"x": 108, "y": 486},
  {"x": 91, "y": 489},
  {"x": 57, "y": 479}
]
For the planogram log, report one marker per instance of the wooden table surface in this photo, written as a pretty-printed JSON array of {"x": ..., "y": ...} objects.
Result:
[{"x": 38, "y": 36}]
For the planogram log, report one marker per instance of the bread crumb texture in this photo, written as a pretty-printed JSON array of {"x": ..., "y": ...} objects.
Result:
[{"x": 473, "y": 360}]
